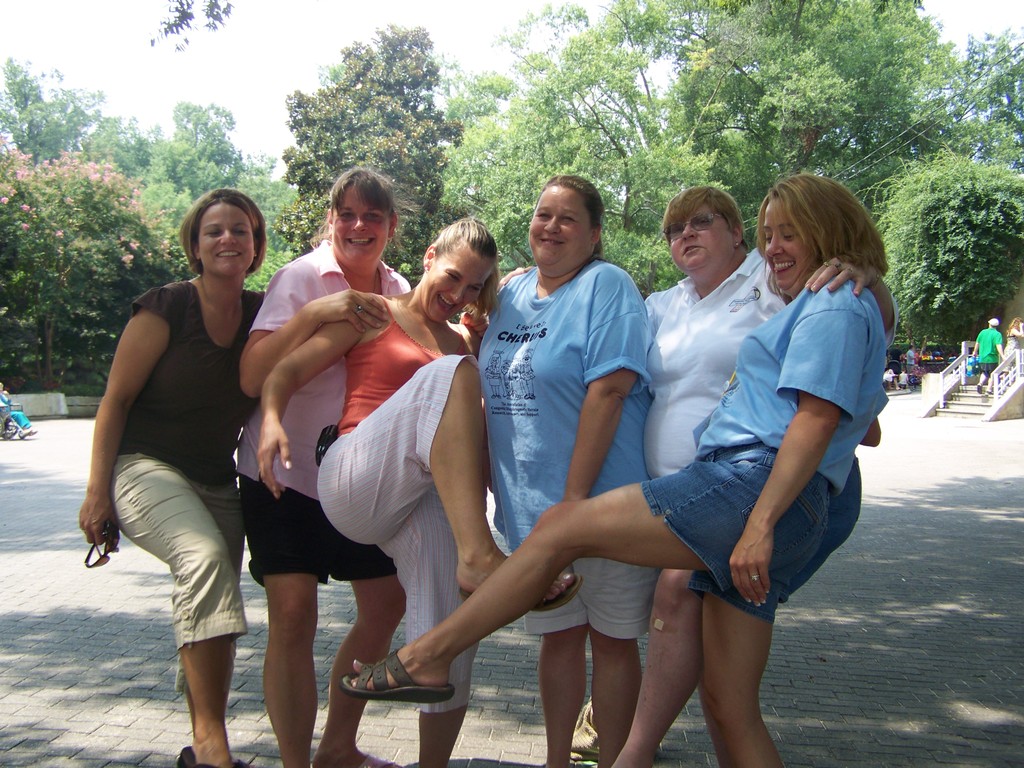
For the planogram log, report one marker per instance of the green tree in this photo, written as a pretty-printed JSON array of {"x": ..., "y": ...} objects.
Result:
[
  {"x": 75, "y": 248},
  {"x": 988, "y": 100},
  {"x": 583, "y": 100},
  {"x": 847, "y": 88},
  {"x": 123, "y": 144},
  {"x": 43, "y": 119},
  {"x": 181, "y": 19},
  {"x": 954, "y": 232},
  {"x": 376, "y": 108}
]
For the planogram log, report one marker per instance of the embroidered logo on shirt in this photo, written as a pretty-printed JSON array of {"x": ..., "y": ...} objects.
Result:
[{"x": 737, "y": 304}]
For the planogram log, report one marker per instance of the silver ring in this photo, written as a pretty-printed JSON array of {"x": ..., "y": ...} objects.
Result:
[
  {"x": 754, "y": 577},
  {"x": 359, "y": 308}
]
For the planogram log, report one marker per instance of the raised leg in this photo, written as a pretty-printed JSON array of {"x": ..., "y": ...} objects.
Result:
[
  {"x": 616, "y": 525},
  {"x": 457, "y": 464}
]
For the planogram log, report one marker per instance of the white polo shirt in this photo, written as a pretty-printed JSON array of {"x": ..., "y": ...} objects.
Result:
[{"x": 693, "y": 355}]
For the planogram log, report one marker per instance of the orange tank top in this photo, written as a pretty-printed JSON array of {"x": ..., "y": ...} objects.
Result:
[{"x": 377, "y": 369}]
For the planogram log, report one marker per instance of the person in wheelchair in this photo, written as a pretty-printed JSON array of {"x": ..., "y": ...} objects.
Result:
[{"x": 10, "y": 410}]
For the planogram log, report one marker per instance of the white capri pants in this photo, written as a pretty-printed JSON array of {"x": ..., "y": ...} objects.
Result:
[
  {"x": 197, "y": 531},
  {"x": 376, "y": 487}
]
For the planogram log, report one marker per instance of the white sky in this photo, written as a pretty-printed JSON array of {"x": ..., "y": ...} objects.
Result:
[{"x": 269, "y": 49}]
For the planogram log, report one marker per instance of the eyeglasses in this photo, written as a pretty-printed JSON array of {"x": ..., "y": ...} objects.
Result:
[
  {"x": 109, "y": 546},
  {"x": 698, "y": 223}
]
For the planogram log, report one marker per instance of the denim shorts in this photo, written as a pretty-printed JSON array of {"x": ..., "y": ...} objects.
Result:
[
  {"x": 843, "y": 511},
  {"x": 707, "y": 505}
]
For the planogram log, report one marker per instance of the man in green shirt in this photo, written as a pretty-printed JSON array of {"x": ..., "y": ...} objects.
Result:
[{"x": 988, "y": 348}]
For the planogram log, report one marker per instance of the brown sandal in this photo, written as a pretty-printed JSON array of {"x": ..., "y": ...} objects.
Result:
[{"x": 404, "y": 687}]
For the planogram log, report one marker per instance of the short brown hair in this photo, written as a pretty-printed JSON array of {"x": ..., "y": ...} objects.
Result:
[
  {"x": 682, "y": 207},
  {"x": 189, "y": 232},
  {"x": 371, "y": 186}
]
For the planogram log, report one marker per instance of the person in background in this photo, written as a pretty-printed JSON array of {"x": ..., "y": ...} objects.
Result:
[
  {"x": 1014, "y": 337},
  {"x": 292, "y": 545},
  {"x": 988, "y": 349},
  {"x": 19, "y": 417},
  {"x": 748, "y": 515},
  {"x": 911, "y": 358},
  {"x": 163, "y": 469}
]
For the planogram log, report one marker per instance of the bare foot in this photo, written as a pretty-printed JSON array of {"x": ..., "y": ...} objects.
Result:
[
  {"x": 473, "y": 571},
  {"x": 562, "y": 582}
]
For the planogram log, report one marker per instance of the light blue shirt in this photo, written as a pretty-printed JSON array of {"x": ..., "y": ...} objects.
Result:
[
  {"x": 830, "y": 345},
  {"x": 536, "y": 361}
]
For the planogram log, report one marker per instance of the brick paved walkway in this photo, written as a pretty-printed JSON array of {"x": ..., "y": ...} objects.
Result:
[{"x": 905, "y": 651}]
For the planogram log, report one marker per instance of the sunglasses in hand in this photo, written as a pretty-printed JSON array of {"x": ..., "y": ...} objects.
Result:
[{"x": 111, "y": 538}]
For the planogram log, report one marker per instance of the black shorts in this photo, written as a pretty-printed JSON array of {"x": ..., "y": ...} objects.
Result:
[
  {"x": 987, "y": 368},
  {"x": 293, "y": 535}
]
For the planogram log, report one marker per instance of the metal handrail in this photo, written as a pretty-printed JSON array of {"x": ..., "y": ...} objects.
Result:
[
  {"x": 1006, "y": 375},
  {"x": 1004, "y": 379},
  {"x": 953, "y": 375}
]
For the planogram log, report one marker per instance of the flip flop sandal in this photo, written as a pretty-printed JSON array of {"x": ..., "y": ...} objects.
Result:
[
  {"x": 404, "y": 687},
  {"x": 559, "y": 600},
  {"x": 547, "y": 605}
]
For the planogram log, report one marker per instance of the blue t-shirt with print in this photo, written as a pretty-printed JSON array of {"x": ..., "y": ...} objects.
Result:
[{"x": 536, "y": 360}]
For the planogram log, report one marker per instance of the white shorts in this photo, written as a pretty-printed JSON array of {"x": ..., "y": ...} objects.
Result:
[
  {"x": 615, "y": 599},
  {"x": 376, "y": 487}
]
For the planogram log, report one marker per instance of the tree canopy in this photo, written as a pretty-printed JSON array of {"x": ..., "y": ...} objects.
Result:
[
  {"x": 89, "y": 219},
  {"x": 75, "y": 249},
  {"x": 377, "y": 108},
  {"x": 954, "y": 231},
  {"x": 645, "y": 98},
  {"x": 181, "y": 19}
]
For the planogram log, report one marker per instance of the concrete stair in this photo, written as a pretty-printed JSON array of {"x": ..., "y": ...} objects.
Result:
[{"x": 966, "y": 403}]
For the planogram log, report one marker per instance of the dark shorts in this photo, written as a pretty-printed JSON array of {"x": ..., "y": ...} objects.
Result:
[
  {"x": 987, "y": 368},
  {"x": 843, "y": 512},
  {"x": 292, "y": 535}
]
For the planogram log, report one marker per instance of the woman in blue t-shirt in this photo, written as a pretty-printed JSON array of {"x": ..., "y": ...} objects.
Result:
[
  {"x": 565, "y": 393},
  {"x": 750, "y": 511}
]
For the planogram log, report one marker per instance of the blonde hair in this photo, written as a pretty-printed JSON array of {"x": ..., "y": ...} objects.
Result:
[
  {"x": 472, "y": 233},
  {"x": 829, "y": 220},
  {"x": 189, "y": 232}
]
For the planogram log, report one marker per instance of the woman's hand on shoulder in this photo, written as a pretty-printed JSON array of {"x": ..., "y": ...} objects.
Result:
[
  {"x": 835, "y": 273},
  {"x": 518, "y": 271},
  {"x": 362, "y": 310}
]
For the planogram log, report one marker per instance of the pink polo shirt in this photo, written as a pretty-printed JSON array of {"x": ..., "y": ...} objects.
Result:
[{"x": 319, "y": 403}]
